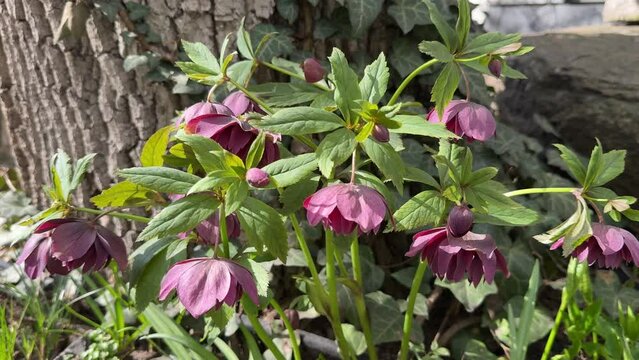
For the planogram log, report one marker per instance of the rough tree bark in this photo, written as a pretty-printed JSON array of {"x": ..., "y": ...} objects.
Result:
[{"x": 75, "y": 95}]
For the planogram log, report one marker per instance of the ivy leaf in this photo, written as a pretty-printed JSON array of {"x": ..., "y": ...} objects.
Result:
[
  {"x": 122, "y": 194},
  {"x": 471, "y": 297},
  {"x": 425, "y": 208},
  {"x": 288, "y": 9},
  {"x": 354, "y": 338},
  {"x": 347, "y": 90},
  {"x": 362, "y": 13},
  {"x": 408, "y": 13},
  {"x": 404, "y": 56},
  {"x": 160, "y": 179},
  {"x": 334, "y": 149},
  {"x": 387, "y": 160},
  {"x": 418, "y": 125},
  {"x": 373, "y": 84},
  {"x": 386, "y": 325},
  {"x": 263, "y": 227},
  {"x": 445, "y": 87},
  {"x": 202, "y": 56},
  {"x": 300, "y": 120},
  {"x": 15, "y": 204},
  {"x": 280, "y": 44},
  {"x": 436, "y": 50},
  {"x": 154, "y": 148},
  {"x": 180, "y": 216},
  {"x": 286, "y": 172},
  {"x": 445, "y": 30}
]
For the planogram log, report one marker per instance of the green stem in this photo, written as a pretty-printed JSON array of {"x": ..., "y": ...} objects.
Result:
[
  {"x": 360, "y": 302},
  {"x": 408, "y": 318},
  {"x": 332, "y": 296},
  {"x": 555, "y": 328},
  {"x": 261, "y": 333},
  {"x": 306, "y": 251},
  {"x": 291, "y": 74},
  {"x": 540, "y": 191},
  {"x": 116, "y": 214},
  {"x": 289, "y": 328},
  {"x": 409, "y": 78},
  {"x": 223, "y": 233}
]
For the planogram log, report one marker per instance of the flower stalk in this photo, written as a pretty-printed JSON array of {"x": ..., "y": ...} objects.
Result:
[
  {"x": 332, "y": 296},
  {"x": 540, "y": 191},
  {"x": 360, "y": 301},
  {"x": 223, "y": 232},
  {"x": 410, "y": 78},
  {"x": 289, "y": 328},
  {"x": 119, "y": 215},
  {"x": 408, "y": 318},
  {"x": 555, "y": 328}
]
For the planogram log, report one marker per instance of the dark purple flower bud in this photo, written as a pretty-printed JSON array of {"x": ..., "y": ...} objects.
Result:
[
  {"x": 257, "y": 177},
  {"x": 380, "y": 133},
  {"x": 293, "y": 317},
  {"x": 460, "y": 221},
  {"x": 313, "y": 70},
  {"x": 495, "y": 67}
]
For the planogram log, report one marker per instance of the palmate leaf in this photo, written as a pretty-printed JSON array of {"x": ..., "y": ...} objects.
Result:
[
  {"x": 445, "y": 30},
  {"x": 436, "y": 50},
  {"x": 362, "y": 13},
  {"x": 334, "y": 149},
  {"x": 373, "y": 84},
  {"x": 467, "y": 294},
  {"x": 202, "y": 56},
  {"x": 404, "y": 56},
  {"x": 347, "y": 90}
]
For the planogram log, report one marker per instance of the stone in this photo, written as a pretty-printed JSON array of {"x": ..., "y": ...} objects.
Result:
[
  {"x": 583, "y": 83},
  {"x": 621, "y": 11}
]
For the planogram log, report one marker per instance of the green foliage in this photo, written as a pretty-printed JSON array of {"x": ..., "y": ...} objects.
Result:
[
  {"x": 162, "y": 179},
  {"x": 300, "y": 120},
  {"x": 263, "y": 227}
]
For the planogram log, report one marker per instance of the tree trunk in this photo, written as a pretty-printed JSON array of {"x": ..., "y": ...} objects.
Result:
[{"x": 76, "y": 96}]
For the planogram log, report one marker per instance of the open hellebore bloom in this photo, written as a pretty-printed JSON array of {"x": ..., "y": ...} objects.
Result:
[
  {"x": 313, "y": 70},
  {"x": 62, "y": 245},
  {"x": 608, "y": 247},
  {"x": 223, "y": 123},
  {"x": 450, "y": 257},
  {"x": 343, "y": 207},
  {"x": 467, "y": 119},
  {"x": 203, "y": 284}
]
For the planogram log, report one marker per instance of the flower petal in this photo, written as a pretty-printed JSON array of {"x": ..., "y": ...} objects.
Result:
[
  {"x": 203, "y": 286},
  {"x": 72, "y": 240},
  {"x": 114, "y": 245},
  {"x": 170, "y": 279}
]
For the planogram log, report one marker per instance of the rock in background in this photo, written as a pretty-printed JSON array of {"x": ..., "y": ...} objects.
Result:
[{"x": 582, "y": 83}]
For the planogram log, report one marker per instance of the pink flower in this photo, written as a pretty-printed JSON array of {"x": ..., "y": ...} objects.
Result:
[
  {"x": 313, "y": 70},
  {"x": 608, "y": 246},
  {"x": 257, "y": 177},
  {"x": 209, "y": 229},
  {"x": 450, "y": 258},
  {"x": 469, "y": 120},
  {"x": 223, "y": 123},
  {"x": 203, "y": 284},
  {"x": 62, "y": 245},
  {"x": 344, "y": 207}
]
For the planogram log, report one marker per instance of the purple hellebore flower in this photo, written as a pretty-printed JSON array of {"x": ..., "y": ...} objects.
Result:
[
  {"x": 381, "y": 134},
  {"x": 343, "y": 207},
  {"x": 203, "y": 284},
  {"x": 608, "y": 247},
  {"x": 209, "y": 229},
  {"x": 62, "y": 245},
  {"x": 460, "y": 221},
  {"x": 222, "y": 123},
  {"x": 450, "y": 257},
  {"x": 257, "y": 177},
  {"x": 467, "y": 119},
  {"x": 313, "y": 70}
]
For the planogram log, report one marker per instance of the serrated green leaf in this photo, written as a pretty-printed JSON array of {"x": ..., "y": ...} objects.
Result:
[
  {"x": 198, "y": 73},
  {"x": 256, "y": 151},
  {"x": 463, "y": 23},
  {"x": 347, "y": 90},
  {"x": 445, "y": 30},
  {"x": 286, "y": 172},
  {"x": 244, "y": 44},
  {"x": 436, "y": 50},
  {"x": 212, "y": 180},
  {"x": 481, "y": 176},
  {"x": 373, "y": 84},
  {"x": 492, "y": 207},
  {"x": 122, "y": 194},
  {"x": 235, "y": 195},
  {"x": 154, "y": 148},
  {"x": 80, "y": 169},
  {"x": 180, "y": 216},
  {"x": 370, "y": 180},
  {"x": 489, "y": 42},
  {"x": 418, "y": 175},
  {"x": 614, "y": 164},
  {"x": 334, "y": 149},
  {"x": 418, "y": 125},
  {"x": 425, "y": 208},
  {"x": 408, "y": 13},
  {"x": 293, "y": 196},
  {"x": 387, "y": 160},
  {"x": 202, "y": 56},
  {"x": 300, "y": 120},
  {"x": 61, "y": 173},
  {"x": 263, "y": 226},
  {"x": 574, "y": 163},
  {"x": 362, "y": 13},
  {"x": 160, "y": 179},
  {"x": 208, "y": 153},
  {"x": 445, "y": 87}
]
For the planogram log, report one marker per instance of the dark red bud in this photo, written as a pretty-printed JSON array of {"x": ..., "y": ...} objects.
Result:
[
  {"x": 460, "y": 221},
  {"x": 313, "y": 70},
  {"x": 380, "y": 133},
  {"x": 257, "y": 177},
  {"x": 495, "y": 67},
  {"x": 293, "y": 317}
]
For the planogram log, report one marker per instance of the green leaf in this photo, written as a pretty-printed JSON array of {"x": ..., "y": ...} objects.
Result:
[
  {"x": 15, "y": 204},
  {"x": 214, "y": 179},
  {"x": 235, "y": 195},
  {"x": 574, "y": 163},
  {"x": 278, "y": 43},
  {"x": 481, "y": 176},
  {"x": 80, "y": 169},
  {"x": 240, "y": 71},
  {"x": 445, "y": 87},
  {"x": 575, "y": 230},
  {"x": 347, "y": 90},
  {"x": 362, "y": 13},
  {"x": 418, "y": 125},
  {"x": 446, "y": 31},
  {"x": 286, "y": 172},
  {"x": 408, "y": 13},
  {"x": 207, "y": 152},
  {"x": 263, "y": 226},
  {"x": 123, "y": 194},
  {"x": 595, "y": 166},
  {"x": 436, "y": 50},
  {"x": 286, "y": 94},
  {"x": 463, "y": 23},
  {"x": 180, "y": 216},
  {"x": 201, "y": 55},
  {"x": 370, "y": 180},
  {"x": 300, "y": 120},
  {"x": 489, "y": 42},
  {"x": 614, "y": 164},
  {"x": 492, "y": 207},
  {"x": 354, "y": 338},
  {"x": 159, "y": 178},
  {"x": 198, "y": 73},
  {"x": 425, "y": 208},
  {"x": 467, "y": 294},
  {"x": 521, "y": 328},
  {"x": 244, "y": 45},
  {"x": 386, "y": 324},
  {"x": 293, "y": 196},
  {"x": 334, "y": 149},
  {"x": 288, "y": 9},
  {"x": 375, "y": 81},
  {"x": 418, "y": 175},
  {"x": 404, "y": 56},
  {"x": 154, "y": 148},
  {"x": 387, "y": 160},
  {"x": 61, "y": 173},
  {"x": 256, "y": 151}
]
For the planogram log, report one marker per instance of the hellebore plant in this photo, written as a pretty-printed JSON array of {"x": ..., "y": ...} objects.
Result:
[{"x": 207, "y": 172}]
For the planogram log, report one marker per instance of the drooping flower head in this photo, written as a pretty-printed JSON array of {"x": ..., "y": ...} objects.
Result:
[
  {"x": 344, "y": 207},
  {"x": 313, "y": 70},
  {"x": 607, "y": 247},
  {"x": 474, "y": 255},
  {"x": 203, "y": 284},
  {"x": 225, "y": 124},
  {"x": 62, "y": 245},
  {"x": 467, "y": 119}
]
